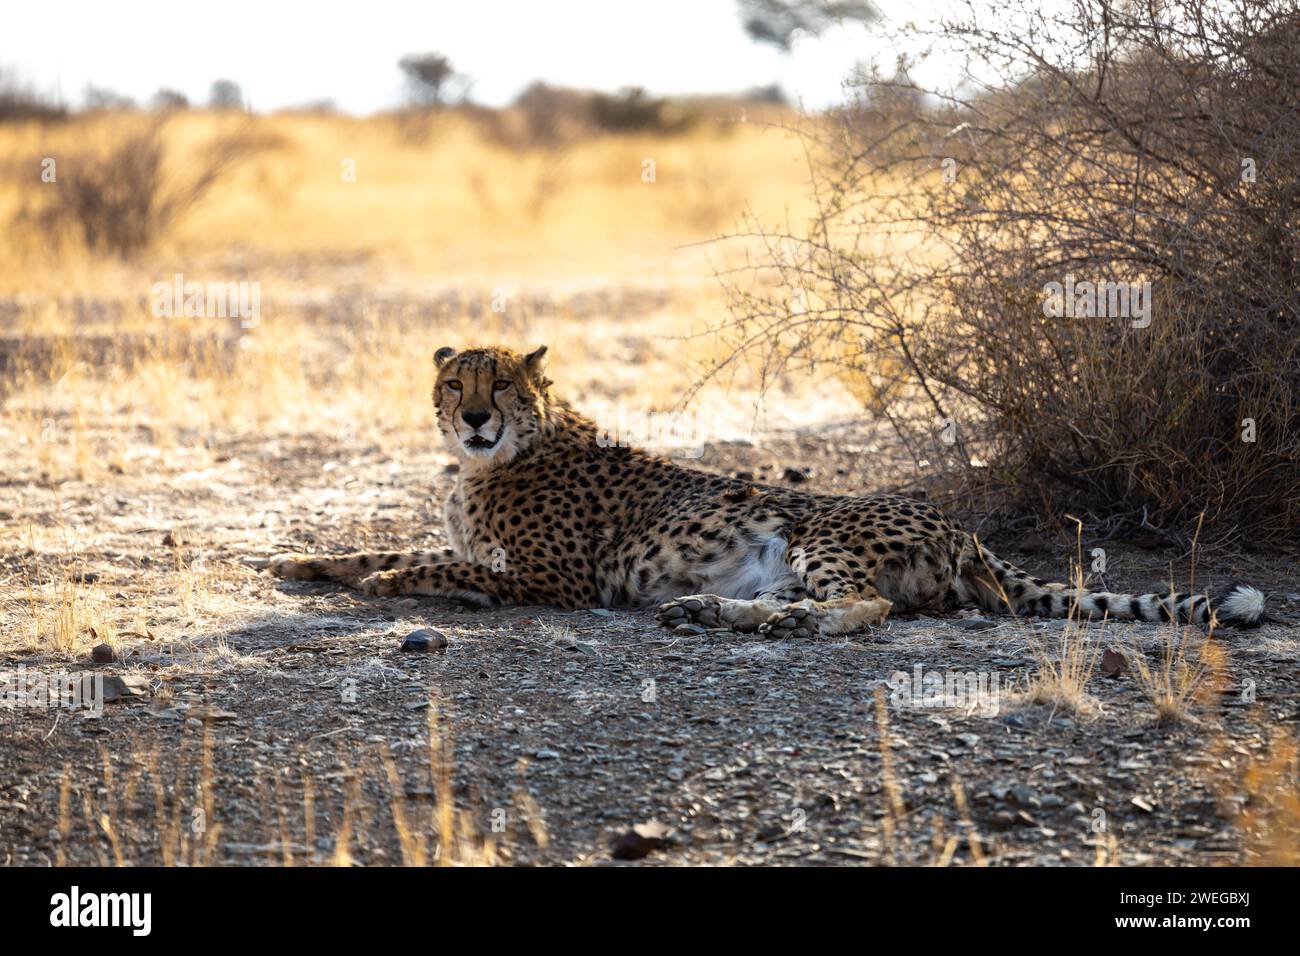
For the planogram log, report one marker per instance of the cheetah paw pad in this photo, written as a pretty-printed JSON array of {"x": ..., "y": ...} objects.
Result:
[
  {"x": 701, "y": 609},
  {"x": 792, "y": 622}
]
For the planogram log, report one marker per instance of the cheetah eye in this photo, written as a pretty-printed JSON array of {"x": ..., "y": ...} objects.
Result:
[
  {"x": 501, "y": 384},
  {"x": 453, "y": 384}
]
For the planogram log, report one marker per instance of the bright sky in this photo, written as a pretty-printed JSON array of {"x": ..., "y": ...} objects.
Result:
[{"x": 291, "y": 53}]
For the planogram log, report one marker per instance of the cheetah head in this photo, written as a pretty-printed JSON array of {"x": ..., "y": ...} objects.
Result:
[{"x": 491, "y": 402}]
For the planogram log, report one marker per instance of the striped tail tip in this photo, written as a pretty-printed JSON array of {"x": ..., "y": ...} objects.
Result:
[{"x": 1240, "y": 606}]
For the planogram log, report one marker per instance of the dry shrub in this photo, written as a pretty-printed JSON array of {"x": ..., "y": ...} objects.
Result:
[
  {"x": 546, "y": 116},
  {"x": 119, "y": 200},
  {"x": 19, "y": 102},
  {"x": 1139, "y": 144}
]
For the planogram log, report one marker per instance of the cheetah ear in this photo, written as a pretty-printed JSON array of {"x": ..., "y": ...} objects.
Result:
[
  {"x": 443, "y": 356},
  {"x": 535, "y": 363},
  {"x": 534, "y": 360}
]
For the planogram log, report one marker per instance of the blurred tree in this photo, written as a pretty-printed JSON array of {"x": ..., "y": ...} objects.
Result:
[
  {"x": 100, "y": 98},
  {"x": 169, "y": 99},
  {"x": 18, "y": 100},
  {"x": 430, "y": 77},
  {"x": 778, "y": 22},
  {"x": 226, "y": 95}
]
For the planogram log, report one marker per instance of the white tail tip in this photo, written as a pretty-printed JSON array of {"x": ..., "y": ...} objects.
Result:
[{"x": 1240, "y": 606}]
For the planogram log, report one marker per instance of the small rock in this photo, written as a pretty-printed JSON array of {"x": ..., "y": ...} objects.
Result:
[
  {"x": 1025, "y": 797},
  {"x": 171, "y": 540},
  {"x": 688, "y": 629},
  {"x": 1113, "y": 663},
  {"x": 424, "y": 640},
  {"x": 117, "y": 688},
  {"x": 215, "y": 715},
  {"x": 545, "y": 754},
  {"x": 794, "y": 476},
  {"x": 640, "y": 841},
  {"x": 102, "y": 654}
]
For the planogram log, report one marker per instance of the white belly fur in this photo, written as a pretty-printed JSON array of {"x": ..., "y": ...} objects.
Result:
[{"x": 748, "y": 572}]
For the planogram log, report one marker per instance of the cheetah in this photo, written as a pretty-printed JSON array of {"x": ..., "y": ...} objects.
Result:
[{"x": 547, "y": 511}]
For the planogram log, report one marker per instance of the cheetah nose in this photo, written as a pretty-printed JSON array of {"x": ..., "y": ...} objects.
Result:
[{"x": 475, "y": 419}]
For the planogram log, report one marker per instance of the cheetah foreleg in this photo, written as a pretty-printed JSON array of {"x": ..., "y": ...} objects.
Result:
[
  {"x": 711, "y": 611},
  {"x": 349, "y": 568},
  {"x": 844, "y": 615},
  {"x": 451, "y": 579}
]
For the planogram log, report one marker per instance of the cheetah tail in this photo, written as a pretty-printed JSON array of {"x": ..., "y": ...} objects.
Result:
[{"x": 992, "y": 582}]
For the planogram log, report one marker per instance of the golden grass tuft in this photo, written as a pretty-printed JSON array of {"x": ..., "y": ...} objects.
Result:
[{"x": 1270, "y": 818}]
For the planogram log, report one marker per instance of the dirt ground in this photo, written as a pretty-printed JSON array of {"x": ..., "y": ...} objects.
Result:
[{"x": 274, "y": 722}]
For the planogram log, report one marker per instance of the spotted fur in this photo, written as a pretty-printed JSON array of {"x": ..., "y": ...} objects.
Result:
[{"x": 545, "y": 512}]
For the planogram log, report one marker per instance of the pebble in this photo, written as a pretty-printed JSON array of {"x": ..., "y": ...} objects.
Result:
[
  {"x": 1025, "y": 797},
  {"x": 424, "y": 640},
  {"x": 102, "y": 654}
]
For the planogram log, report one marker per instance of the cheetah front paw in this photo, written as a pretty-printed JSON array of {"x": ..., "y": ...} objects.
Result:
[
  {"x": 296, "y": 567},
  {"x": 795, "y": 621},
  {"x": 702, "y": 609},
  {"x": 382, "y": 584}
]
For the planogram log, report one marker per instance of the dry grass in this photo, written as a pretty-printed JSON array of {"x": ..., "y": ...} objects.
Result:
[
  {"x": 1271, "y": 816},
  {"x": 139, "y": 812},
  {"x": 1189, "y": 673},
  {"x": 1061, "y": 682},
  {"x": 457, "y": 204}
]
